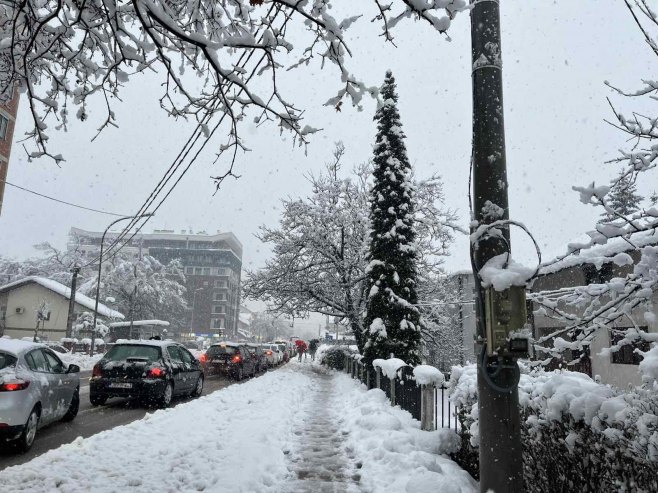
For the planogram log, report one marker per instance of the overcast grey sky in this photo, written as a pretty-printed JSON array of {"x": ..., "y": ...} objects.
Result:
[{"x": 556, "y": 56}]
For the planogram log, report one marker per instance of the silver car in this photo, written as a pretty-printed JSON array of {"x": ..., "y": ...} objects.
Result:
[{"x": 36, "y": 389}]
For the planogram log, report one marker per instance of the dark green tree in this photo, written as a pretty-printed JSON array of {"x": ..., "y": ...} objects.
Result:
[
  {"x": 622, "y": 198},
  {"x": 392, "y": 322}
]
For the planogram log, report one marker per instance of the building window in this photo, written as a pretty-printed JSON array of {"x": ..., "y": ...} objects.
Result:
[
  {"x": 220, "y": 297},
  {"x": 626, "y": 355},
  {"x": 221, "y": 283},
  {"x": 219, "y": 309},
  {"x": 217, "y": 323},
  {"x": 206, "y": 271},
  {"x": 197, "y": 271},
  {"x": 4, "y": 125},
  {"x": 189, "y": 270}
]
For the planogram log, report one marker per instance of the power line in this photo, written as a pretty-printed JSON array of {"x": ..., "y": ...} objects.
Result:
[
  {"x": 184, "y": 152},
  {"x": 62, "y": 201},
  {"x": 178, "y": 161}
]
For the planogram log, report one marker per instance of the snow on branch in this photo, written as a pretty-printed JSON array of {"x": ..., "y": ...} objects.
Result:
[{"x": 65, "y": 53}]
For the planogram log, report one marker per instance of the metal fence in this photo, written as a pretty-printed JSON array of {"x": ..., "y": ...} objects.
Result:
[{"x": 427, "y": 403}]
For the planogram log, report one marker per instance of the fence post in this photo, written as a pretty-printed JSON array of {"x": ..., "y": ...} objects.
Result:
[
  {"x": 392, "y": 380},
  {"x": 427, "y": 408},
  {"x": 378, "y": 379}
]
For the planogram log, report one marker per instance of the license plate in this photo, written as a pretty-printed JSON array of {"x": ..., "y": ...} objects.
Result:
[{"x": 120, "y": 385}]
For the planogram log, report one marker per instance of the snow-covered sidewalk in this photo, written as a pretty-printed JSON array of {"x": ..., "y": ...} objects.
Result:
[{"x": 299, "y": 428}]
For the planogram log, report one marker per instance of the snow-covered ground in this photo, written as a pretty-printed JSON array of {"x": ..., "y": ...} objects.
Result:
[{"x": 300, "y": 428}]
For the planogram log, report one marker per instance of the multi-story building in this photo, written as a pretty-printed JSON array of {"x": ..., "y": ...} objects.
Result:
[
  {"x": 212, "y": 263},
  {"x": 7, "y": 122}
]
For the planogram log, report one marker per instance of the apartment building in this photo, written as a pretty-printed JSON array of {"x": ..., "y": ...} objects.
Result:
[{"x": 212, "y": 263}]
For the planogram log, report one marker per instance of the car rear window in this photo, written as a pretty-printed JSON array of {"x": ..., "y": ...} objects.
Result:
[
  {"x": 217, "y": 350},
  {"x": 7, "y": 360},
  {"x": 123, "y": 352}
]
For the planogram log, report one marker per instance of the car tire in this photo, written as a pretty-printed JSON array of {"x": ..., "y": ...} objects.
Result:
[
  {"x": 198, "y": 388},
  {"x": 25, "y": 441},
  {"x": 74, "y": 406},
  {"x": 97, "y": 400},
  {"x": 239, "y": 375},
  {"x": 166, "y": 397}
]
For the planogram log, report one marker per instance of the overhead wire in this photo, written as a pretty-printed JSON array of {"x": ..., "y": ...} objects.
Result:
[
  {"x": 178, "y": 161},
  {"x": 54, "y": 199}
]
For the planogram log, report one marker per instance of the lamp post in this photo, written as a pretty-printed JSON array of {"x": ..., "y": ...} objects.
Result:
[
  {"x": 98, "y": 279},
  {"x": 192, "y": 316}
]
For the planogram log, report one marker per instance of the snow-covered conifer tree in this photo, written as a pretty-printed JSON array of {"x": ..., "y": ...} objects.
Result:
[
  {"x": 392, "y": 322},
  {"x": 622, "y": 198}
]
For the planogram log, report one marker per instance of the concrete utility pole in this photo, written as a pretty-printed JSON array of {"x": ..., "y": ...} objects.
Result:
[
  {"x": 71, "y": 314},
  {"x": 501, "y": 466}
]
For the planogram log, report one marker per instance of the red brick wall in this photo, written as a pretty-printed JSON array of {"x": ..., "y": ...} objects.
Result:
[{"x": 9, "y": 111}]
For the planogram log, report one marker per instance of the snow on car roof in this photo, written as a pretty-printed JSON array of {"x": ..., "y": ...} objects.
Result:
[
  {"x": 145, "y": 342},
  {"x": 16, "y": 346},
  {"x": 230, "y": 344}
]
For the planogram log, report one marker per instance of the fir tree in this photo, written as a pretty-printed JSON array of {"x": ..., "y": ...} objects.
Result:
[
  {"x": 623, "y": 198},
  {"x": 392, "y": 322}
]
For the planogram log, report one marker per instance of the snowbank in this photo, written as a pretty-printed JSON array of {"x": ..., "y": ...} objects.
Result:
[
  {"x": 232, "y": 440},
  {"x": 396, "y": 456},
  {"x": 83, "y": 360}
]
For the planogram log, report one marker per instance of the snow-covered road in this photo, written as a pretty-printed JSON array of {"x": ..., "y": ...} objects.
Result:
[{"x": 300, "y": 428}]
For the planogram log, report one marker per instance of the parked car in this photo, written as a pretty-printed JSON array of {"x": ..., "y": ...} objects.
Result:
[
  {"x": 229, "y": 358},
  {"x": 261, "y": 359},
  {"x": 57, "y": 347},
  {"x": 273, "y": 354},
  {"x": 36, "y": 389},
  {"x": 153, "y": 371}
]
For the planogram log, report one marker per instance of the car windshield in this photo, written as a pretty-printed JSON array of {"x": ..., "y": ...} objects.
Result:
[
  {"x": 7, "y": 360},
  {"x": 124, "y": 352},
  {"x": 219, "y": 350}
]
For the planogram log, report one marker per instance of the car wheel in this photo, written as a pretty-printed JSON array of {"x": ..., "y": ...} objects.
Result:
[
  {"x": 72, "y": 412},
  {"x": 26, "y": 439},
  {"x": 167, "y": 395},
  {"x": 97, "y": 400},
  {"x": 198, "y": 389},
  {"x": 239, "y": 374}
]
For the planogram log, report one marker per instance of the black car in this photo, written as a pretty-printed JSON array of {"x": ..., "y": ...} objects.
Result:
[
  {"x": 230, "y": 359},
  {"x": 154, "y": 371}
]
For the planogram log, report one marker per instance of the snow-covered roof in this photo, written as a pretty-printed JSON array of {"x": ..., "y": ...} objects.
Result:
[
  {"x": 245, "y": 318},
  {"x": 62, "y": 290},
  {"x": 601, "y": 254},
  {"x": 17, "y": 346},
  {"x": 138, "y": 323}
]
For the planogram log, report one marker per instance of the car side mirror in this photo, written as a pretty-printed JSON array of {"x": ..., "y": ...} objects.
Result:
[{"x": 73, "y": 369}]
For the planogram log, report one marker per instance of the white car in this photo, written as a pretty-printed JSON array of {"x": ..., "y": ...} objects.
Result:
[
  {"x": 273, "y": 354},
  {"x": 36, "y": 389}
]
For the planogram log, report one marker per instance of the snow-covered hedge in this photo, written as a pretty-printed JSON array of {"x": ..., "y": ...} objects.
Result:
[
  {"x": 577, "y": 434},
  {"x": 334, "y": 356}
]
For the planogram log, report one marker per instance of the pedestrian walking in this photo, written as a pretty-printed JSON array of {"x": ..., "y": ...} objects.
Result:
[{"x": 313, "y": 347}]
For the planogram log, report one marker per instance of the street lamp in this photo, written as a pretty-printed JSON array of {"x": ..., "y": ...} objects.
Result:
[
  {"x": 98, "y": 280},
  {"x": 193, "y": 302}
]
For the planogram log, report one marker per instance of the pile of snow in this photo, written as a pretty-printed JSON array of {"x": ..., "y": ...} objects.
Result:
[
  {"x": 235, "y": 439},
  {"x": 83, "y": 360},
  {"x": 428, "y": 375},
  {"x": 396, "y": 455},
  {"x": 502, "y": 273},
  {"x": 389, "y": 366}
]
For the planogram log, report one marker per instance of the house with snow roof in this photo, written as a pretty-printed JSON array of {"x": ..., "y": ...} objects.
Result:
[
  {"x": 558, "y": 285},
  {"x": 34, "y": 299}
]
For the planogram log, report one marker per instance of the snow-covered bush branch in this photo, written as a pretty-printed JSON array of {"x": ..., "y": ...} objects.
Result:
[{"x": 64, "y": 53}]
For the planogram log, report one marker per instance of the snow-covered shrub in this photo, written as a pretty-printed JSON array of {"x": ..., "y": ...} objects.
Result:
[
  {"x": 336, "y": 356},
  {"x": 577, "y": 434}
]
